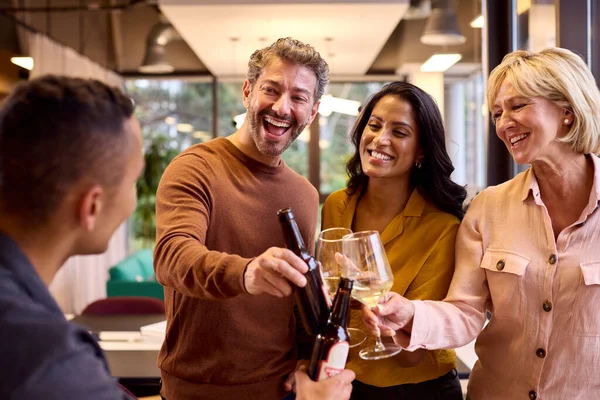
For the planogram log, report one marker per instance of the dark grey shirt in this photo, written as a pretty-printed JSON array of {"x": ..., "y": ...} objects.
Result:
[{"x": 42, "y": 355}]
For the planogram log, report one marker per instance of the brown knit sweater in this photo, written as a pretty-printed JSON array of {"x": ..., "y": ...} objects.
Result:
[{"x": 216, "y": 209}]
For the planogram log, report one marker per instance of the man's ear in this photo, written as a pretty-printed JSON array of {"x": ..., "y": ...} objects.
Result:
[
  {"x": 246, "y": 90},
  {"x": 314, "y": 111},
  {"x": 90, "y": 207}
]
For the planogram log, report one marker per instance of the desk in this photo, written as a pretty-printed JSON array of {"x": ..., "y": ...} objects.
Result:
[
  {"x": 133, "y": 363},
  {"x": 99, "y": 323}
]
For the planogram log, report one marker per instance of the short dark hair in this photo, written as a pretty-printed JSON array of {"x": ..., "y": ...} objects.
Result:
[
  {"x": 55, "y": 132},
  {"x": 295, "y": 51},
  {"x": 433, "y": 178}
]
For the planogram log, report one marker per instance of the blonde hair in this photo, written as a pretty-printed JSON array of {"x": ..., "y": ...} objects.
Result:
[{"x": 562, "y": 77}]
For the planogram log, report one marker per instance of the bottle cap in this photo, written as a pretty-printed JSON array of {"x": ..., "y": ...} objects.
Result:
[
  {"x": 346, "y": 283},
  {"x": 285, "y": 214}
]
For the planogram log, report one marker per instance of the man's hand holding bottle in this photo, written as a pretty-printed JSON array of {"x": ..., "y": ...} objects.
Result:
[{"x": 274, "y": 272}]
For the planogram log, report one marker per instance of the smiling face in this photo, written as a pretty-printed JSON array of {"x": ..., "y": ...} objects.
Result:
[
  {"x": 389, "y": 146},
  {"x": 280, "y": 104},
  {"x": 529, "y": 126}
]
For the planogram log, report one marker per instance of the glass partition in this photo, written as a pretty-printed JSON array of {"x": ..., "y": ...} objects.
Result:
[
  {"x": 536, "y": 24},
  {"x": 335, "y": 127},
  {"x": 174, "y": 115}
]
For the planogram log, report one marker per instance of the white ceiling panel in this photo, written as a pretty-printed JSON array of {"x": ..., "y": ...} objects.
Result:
[{"x": 358, "y": 30}]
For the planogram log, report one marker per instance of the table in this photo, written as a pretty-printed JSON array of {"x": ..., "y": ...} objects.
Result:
[
  {"x": 132, "y": 362},
  {"x": 99, "y": 323}
]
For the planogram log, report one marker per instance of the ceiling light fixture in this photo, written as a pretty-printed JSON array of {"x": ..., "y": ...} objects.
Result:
[
  {"x": 239, "y": 120},
  {"x": 328, "y": 105},
  {"x": 202, "y": 135},
  {"x": 324, "y": 144},
  {"x": 442, "y": 27},
  {"x": 331, "y": 104},
  {"x": 418, "y": 9},
  {"x": 155, "y": 57},
  {"x": 477, "y": 22},
  {"x": 440, "y": 62},
  {"x": 523, "y": 5},
  {"x": 185, "y": 128},
  {"x": 23, "y": 62},
  {"x": 305, "y": 135}
]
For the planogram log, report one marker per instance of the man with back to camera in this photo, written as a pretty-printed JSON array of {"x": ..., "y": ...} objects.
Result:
[
  {"x": 220, "y": 250},
  {"x": 70, "y": 155}
]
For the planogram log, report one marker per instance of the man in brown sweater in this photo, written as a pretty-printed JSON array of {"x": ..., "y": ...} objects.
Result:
[{"x": 220, "y": 250}]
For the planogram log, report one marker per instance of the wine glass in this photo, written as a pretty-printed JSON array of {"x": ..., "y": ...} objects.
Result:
[
  {"x": 365, "y": 262},
  {"x": 328, "y": 245}
]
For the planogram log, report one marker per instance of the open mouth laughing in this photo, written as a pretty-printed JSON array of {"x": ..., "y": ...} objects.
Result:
[
  {"x": 275, "y": 128},
  {"x": 518, "y": 139}
]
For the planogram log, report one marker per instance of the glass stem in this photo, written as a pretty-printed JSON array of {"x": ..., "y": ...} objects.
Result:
[{"x": 378, "y": 344}]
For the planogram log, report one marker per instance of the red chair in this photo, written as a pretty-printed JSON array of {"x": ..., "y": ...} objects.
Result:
[{"x": 125, "y": 305}]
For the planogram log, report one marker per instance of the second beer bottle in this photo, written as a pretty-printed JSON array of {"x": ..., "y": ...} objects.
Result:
[{"x": 331, "y": 347}]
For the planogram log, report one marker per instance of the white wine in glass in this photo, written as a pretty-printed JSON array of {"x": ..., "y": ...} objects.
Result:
[
  {"x": 328, "y": 245},
  {"x": 331, "y": 284},
  {"x": 368, "y": 291},
  {"x": 365, "y": 262}
]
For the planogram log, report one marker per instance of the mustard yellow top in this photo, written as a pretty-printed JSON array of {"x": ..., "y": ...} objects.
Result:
[{"x": 419, "y": 244}]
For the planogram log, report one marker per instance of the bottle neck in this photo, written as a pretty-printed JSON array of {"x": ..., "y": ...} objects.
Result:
[
  {"x": 339, "y": 310},
  {"x": 294, "y": 238}
]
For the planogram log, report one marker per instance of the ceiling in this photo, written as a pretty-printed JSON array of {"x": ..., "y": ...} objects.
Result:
[
  {"x": 113, "y": 37},
  {"x": 349, "y": 34},
  {"x": 369, "y": 37}
]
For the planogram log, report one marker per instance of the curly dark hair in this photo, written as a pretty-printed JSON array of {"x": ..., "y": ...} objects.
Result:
[{"x": 433, "y": 178}]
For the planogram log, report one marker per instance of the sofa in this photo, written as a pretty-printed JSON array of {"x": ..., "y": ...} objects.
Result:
[{"x": 134, "y": 276}]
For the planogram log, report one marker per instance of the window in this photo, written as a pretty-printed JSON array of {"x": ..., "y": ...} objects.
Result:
[
  {"x": 536, "y": 24},
  {"x": 230, "y": 106},
  {"x": 335, "y": 128},
  {"x": 174, "y": 115}
]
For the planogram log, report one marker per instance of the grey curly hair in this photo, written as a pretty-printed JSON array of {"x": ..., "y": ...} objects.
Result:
[{"x": 296, "y": 52}]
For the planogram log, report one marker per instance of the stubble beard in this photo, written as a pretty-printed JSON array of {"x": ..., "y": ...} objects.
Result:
[{"x": 264, "y": 145}]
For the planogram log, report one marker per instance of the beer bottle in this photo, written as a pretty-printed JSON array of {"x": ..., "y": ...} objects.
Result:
[
  {"x": 310, "y": 299},
  {"x": 331, "y": 347}
]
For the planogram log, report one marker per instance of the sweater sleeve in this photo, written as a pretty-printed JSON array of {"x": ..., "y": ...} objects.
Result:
[{"x": 181, "y": 259}]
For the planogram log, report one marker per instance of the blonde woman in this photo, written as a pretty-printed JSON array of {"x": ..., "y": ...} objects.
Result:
[{"x": 528, "y": 251}]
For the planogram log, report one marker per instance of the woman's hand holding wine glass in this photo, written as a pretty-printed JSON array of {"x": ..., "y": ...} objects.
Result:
[
  {"x": 394, "y": 312},
  {"x": 366, "y": 263}
]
